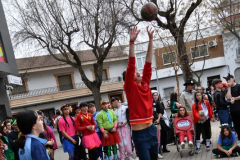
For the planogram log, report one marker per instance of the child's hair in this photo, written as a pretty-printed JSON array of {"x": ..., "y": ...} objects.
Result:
[
  {"x": 186, "y": 113},
  {"x": 6, "y": 122},
  {"x": 222, "y": 132},
  {"x": 1, "y": 130},
  {"x": 196, "y": 100},
  {"x": 3, "y": 134},
  {"x": 25, "y": 120},
  {"x": 91, "y": 105}
]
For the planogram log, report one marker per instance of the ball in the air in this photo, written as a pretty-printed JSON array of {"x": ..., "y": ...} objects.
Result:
[{"x": 149, "y": 11}]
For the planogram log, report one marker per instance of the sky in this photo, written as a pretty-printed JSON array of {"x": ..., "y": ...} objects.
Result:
[{"x": 31, "y": 49}]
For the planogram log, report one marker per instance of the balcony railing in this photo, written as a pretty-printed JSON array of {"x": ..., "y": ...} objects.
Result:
[{"x": 60, "y": 88}]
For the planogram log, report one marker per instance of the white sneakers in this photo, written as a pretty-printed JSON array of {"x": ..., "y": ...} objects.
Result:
[
  {"x": 190, "y": 143},
  {"x": 160, "y": 156},
  {"x": 183, "y": 145}
]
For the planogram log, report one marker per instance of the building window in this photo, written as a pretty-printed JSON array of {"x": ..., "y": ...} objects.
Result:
[
  {"x": 169, "y": 57},
  {"x": 105, "y": 74},
  {"x": 168, "y": 91},
  {"x": 199, "y": 51},
  {"x": 65, "y": 81},
  {"x": 20, "y": 89},
  {"x": 141, "y": 58},
  {"x": 212, "y": 78}
]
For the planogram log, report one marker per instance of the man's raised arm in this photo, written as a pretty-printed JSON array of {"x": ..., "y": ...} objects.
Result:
[{"x": 150, "y": 45}]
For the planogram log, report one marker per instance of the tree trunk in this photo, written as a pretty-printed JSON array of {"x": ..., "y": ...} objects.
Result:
[
  {"x": 184, "y": 60},
  {"x": 96, "y": 96},
  {"x": 177, "y": 80}
]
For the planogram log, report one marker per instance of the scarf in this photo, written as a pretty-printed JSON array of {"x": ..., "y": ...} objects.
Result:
[{"x": 25, "y": 154}]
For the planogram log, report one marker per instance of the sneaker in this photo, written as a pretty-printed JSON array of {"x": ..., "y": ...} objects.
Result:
[
  {"x": 238, "y": 143},
  {"x": 160, "y": 156},
  {"x": 190, "y": 144},
  {"x": 183, "y": 145},
  {"x": 208, "y": 148},
  {"x": 234, "y": 155},
  {"x": 198, "y": 150},
  {"x": 219, "y": 156},
  {"x": 105, "y": 157},
  {"x": 136, "y": 158}
]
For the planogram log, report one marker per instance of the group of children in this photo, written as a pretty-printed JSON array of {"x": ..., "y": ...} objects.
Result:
[{"x": 106, "y": 128}]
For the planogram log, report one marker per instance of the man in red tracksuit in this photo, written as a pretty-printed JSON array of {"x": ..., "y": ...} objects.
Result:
[{"x": 139, "y": 99}]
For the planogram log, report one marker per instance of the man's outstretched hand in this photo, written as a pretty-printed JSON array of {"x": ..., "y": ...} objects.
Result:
[
  {"x": 150, "y": 32},
  {"x": 134, "y": 33}
]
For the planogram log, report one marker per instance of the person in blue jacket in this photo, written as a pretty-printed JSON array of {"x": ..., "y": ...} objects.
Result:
[{"x": 31, "y": 147}]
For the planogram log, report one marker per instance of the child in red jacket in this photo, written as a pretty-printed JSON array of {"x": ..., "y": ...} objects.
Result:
[
  {"x": 202, "y": 114},
  {"x": 85, "y": 123}
]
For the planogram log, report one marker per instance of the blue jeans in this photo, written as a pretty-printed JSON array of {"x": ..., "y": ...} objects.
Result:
[
  {"x": 224, "y": 117},
  {"x": 146, "y": 143}
]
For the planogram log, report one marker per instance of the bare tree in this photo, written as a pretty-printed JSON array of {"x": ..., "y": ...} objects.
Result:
[
  {"x": 173, "y": 19},
  {"x": 227, "y": 14},
  {"x": 62, "y": 27}
]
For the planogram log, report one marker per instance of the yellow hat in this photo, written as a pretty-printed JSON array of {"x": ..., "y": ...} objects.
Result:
[{"x": 103, "y": 102}]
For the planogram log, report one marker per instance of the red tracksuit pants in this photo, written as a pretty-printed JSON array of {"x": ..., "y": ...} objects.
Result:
[{"x": 188, "y": 134}]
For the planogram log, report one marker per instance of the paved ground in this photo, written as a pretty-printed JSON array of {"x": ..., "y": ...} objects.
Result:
[{"x": 174, "y": 154}]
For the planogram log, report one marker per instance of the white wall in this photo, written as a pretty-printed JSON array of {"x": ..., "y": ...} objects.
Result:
[
  {"x": 57, "y": 105},
  {"x": 230, "y": 44},
  {"x": 45, "y": 79}
]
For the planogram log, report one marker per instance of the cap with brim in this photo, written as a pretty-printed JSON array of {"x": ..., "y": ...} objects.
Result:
[
  {"x": 64, "y": 107},
  {"x": 189, "y": 82},
  {"x": 83, "y": 104},
  {"x": 224, "y": 84},
  {"x": 103, "y": 102},
  {"x": 114, "y": 99},
  {"x": 228, "y": 77}
]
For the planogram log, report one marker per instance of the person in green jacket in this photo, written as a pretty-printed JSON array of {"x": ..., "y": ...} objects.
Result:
[
  {"x": 174, "y": 103},
  {"x": 9, "y": 154},
  {"x": 107, "y": 123}
]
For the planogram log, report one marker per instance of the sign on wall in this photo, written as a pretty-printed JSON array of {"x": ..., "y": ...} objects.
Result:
[
  {"x": 14, "y": 80},
  {"x": 2, "y": 53}
]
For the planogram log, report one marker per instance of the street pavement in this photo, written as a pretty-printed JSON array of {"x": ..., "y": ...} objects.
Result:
[{"x": 173, "y": 154}]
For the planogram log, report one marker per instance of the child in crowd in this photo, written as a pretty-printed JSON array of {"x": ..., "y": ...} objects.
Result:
[
  {"x": 227, "y": 143},
  {"x": 31, "y": 147},
  {"x": 123, "y": 129},
  {"x": 107, "y": 122},
  {"x": 92, "y": 110},
  {"x": 182, "y": 113},
  {"x": 204, "y": 106},
  {"x": 85, "y": 123},
  {"x": 66, "y": 127},
  {"x": 8, "y": 152}
]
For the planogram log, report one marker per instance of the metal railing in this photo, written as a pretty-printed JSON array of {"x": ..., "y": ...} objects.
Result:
[{"x": 60, "y": 88}]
